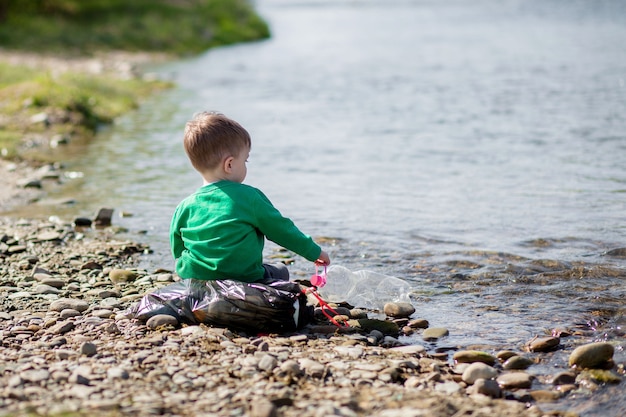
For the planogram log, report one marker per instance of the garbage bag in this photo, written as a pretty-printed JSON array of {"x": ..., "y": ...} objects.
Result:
[{"x": 268, "y": 306}]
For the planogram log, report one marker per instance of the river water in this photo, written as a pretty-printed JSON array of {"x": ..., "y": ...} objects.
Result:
[{"x": 475, "y": 149}]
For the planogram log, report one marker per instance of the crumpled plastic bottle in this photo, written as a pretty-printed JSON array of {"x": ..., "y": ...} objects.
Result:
[{"x": 364, "y": 289}]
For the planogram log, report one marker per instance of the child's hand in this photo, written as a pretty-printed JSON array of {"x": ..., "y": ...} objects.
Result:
[{"x": 323, "y": 259}]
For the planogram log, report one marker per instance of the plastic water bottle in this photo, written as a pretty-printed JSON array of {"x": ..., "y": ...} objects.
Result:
[{"x": 365, "y": 289}]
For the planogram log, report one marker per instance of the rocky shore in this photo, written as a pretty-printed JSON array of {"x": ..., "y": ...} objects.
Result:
[{"x": 68, "y": 345}]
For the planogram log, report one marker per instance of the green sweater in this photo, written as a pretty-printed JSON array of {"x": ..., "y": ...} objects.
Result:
[{"x": 219, "y": 232}]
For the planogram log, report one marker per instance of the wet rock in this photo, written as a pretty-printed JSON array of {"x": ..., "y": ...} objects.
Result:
[
  {"x": 545, "y": 396},
  {"x": 517, "y": 362},
  {"x": 82, "y": 222},
  {"x": 592, "y": 355},
  {"x": 515, "y": 380},
  {"x": 564, "y": 378},
  {"x": 103, "y": 218},
  {"x": 544, "y": 344},
  {"x": 602, "y": 376},
  {"x": 383, "y": 326},
  {"x": 618, "y": 252},
  {"x": 471, "y": 356},
  {"x": 503, "y": 355},
  {"x": 434, "y": 333},
  {"x": 418, "y": 324},
  {"x": 398, "y": 309}
]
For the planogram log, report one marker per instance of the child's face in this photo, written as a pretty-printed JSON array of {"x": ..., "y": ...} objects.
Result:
[{"x": 238, "y": 166}]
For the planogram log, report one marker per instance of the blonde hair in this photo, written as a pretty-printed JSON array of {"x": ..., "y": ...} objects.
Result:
[{"x": 210, "y": 137}]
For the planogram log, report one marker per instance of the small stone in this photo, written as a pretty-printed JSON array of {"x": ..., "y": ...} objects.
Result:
[
  {"x": 388, "y": 328},
  {"x": 267, "y": 363},
  {"x": 592, "y": 355},
  {"x": 398, "y": 309},
  {"x": 434, "y": 333},
  {"x": 564, "y": 378},
  {"x": 161, "y": 320},
  {"x": 409, "y": 349},
  {"x": 545, "y": 396},
  {"x": 35, "y": 375},
  {"x": 117, "y": 373},
  {"x": 515, "y": 380},
  {"x": 291, "y": 367},
  {"x": 503, "y": 355},
  {"x": 122, "y": 275},
  {"x": 419, "y": 324},
  {"x": 478, "y": 370},
  {"x": 88, "y": 349},
  {"x": 517, "y": 362},
  {"x": 90, "y": 265},
  {"x": 82, "y": 222},
  {"x": 66, "y": 313},
  {"x": 64, "y": 303},
  {"x": 63, "y": 327},
  {"x": 601, "y": 376},
  {"x": 263, "y": 408},
  {"x": 358, "y": 313},
  {"x": 45, "y": 289},
  {"x": 103, "y": 218},
  {"x": 471, "y": 356},
  {"x": 48, "y": 236},
  {"x": 487, "y": 387},
  {"x": 544, "y": 344}
]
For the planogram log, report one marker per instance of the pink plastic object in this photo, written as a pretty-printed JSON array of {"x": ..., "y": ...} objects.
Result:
[{"x": 318, "y": 280}]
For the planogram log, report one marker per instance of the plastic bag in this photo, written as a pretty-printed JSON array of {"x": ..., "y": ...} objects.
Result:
[
  {"x": 365, "y": 289},
  {"x": 271, "y": 306}
]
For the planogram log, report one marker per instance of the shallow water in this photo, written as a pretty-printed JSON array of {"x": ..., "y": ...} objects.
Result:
[{"x": 475, "y": 149}]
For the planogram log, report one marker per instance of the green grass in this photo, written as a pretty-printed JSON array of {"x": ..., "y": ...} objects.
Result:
[
  {"x": 174, "y": 26},
  {"x": 77, "y": 103}
]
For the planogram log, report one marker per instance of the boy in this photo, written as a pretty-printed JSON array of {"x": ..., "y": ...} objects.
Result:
[{"x": 219, "y": 231}]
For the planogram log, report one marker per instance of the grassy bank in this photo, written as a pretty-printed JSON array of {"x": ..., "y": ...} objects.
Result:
[{"x": 44, "y": 104}]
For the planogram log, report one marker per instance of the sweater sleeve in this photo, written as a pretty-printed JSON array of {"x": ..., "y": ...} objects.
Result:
[
  {"x": 176, "y": 242},
  {"x": 283, "y": 231}
]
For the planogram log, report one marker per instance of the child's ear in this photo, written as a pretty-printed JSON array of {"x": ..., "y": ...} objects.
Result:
[{"x": 228, "y": 164}]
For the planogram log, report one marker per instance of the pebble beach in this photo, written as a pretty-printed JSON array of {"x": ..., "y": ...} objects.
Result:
[{"x": 68, "y": 346}]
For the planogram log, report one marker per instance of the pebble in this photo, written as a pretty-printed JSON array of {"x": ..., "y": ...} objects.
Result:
[
  {"x": 434, "y": 333},
  {"x": 478, "y": 370},
  {"x": 470, "y": 356},
  {"x": 487, "y": 387},
  {"x": 161, "y": 320},
  {"x": 517, "y": 362},
  {"x": 398, "y": 309},
  {"x": 592, "y": 355},
  {"x": 544, "y": 344},
  {"x": 515, "y": 380},
  {"x": 69, "y": 303}
]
